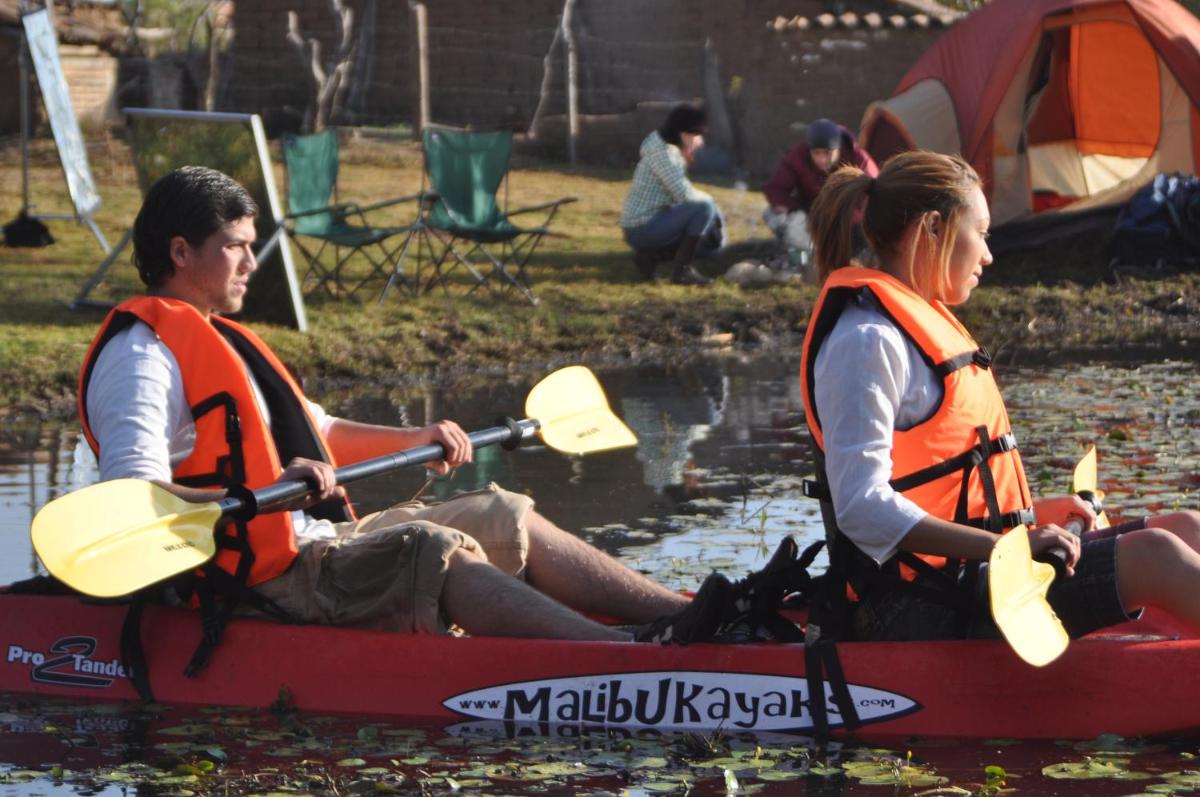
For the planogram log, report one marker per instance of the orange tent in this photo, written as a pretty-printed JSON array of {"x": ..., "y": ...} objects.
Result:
[{"x": 1058, "y": 104}]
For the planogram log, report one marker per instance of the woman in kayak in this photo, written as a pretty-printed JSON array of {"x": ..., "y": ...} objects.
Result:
[{"x": 917, "y": 450}]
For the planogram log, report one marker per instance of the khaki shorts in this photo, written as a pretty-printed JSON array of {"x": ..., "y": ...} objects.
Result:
[{"x": 386, "y": 570}]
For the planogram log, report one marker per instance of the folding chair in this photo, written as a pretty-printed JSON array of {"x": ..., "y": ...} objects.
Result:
[
  {"x": 466, "y": 169},
  {"x": 340, "y": 228}
]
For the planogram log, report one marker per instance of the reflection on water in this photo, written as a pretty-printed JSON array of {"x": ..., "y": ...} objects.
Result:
[
  {"x": 102, "y": 749},
  {"x": 714, "y": 484},
  {"x": 715, "y": 480},
  {"x": 670, "y": 412},
  {"x": 719, "y": 428}
]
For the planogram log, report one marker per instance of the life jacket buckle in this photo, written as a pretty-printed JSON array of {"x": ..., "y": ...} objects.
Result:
[
  {"x": 982, "y": 357},
  {"x": 811, "y": 488}
]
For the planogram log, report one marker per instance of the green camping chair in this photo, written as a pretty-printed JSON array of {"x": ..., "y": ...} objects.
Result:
[
  {"x": 466, "y": 170},
  {"x": 341, "y": 230}
]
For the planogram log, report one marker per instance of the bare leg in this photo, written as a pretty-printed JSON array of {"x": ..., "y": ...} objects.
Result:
[
  {"x": 1185, "y": 525},
  {"x": 485, "y": 601},
  {"x": 1158, "y": 567},
  {"x": 569, "y": 570}
]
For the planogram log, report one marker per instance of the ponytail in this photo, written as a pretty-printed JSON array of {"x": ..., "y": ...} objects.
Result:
[
  {"x": 831, "y": 219},
  {"x": 909, "y": 186}
]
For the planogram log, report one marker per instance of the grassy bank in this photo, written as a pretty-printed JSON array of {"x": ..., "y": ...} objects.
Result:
[{"x": 592, "y": 306}]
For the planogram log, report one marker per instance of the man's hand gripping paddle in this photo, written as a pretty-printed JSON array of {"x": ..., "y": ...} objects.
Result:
[{"x": 116, "y": 537}]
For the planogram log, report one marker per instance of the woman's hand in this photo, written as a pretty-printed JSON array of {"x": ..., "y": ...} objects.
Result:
[
  {"x": 320, "y": 477},
  {"x": 691, "y": 144},
  {"x": 1064, "y": 509},
  {"x": 1048, "y": 537},
  {"x": 454, "y": 440}
]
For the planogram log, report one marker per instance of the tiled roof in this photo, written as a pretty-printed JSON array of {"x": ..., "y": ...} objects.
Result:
[
  {"x": 905, "y": 14},
  {"x": 99, "y": 24}
]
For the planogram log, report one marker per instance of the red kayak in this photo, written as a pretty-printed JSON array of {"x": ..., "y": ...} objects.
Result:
[{"x": 1146, "y": 684}]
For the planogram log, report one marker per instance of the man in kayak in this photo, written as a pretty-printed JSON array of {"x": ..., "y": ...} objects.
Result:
[{"x": 174, "y": 393}]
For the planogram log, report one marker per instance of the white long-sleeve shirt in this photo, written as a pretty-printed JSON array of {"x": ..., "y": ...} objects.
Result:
[
  {"x": 869, "y": 381},
  {"x": 137, "y": 407}
]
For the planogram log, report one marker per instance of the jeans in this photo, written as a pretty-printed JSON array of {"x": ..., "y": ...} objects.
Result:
[{"x": 701, "y": 218}]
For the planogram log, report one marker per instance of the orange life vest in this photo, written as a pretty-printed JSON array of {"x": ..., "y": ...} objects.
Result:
[
  {"x": 960, "y": 464},
  {"x": 234, "y": 445}
]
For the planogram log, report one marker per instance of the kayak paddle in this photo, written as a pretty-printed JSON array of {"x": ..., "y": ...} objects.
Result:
[
  {"x": 1018, "y": 583},
  {"x": 115, "y": 537},
  {"x": 1017, "y": 586},
  {"x": 1084, "y": 485}
]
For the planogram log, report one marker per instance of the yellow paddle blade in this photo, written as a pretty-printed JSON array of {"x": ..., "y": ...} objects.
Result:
[
  {"x": 1018, "y": 592},
  {"x": 1085, "y": 479},
  {"x": 574, "y": 414},
  {"x": 1085, "y": 472},
  {"x": 116, "y": 537}
]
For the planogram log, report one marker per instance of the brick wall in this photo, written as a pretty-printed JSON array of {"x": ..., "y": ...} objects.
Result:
[
  {"x": 91, "y": 76},
  {"x": 10, "y": 109},
  {"x": 636, "y": 57},
  {"x": 790, "y": 78}
]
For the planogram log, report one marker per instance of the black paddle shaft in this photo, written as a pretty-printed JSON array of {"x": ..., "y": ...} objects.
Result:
[
  {"x": 1057, "y": 557},
  {"x": 264, "y": 498}
]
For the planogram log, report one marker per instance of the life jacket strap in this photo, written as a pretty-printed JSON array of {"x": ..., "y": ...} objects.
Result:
[
  {"x": 964, "y": 461},
  {"x": 1005, "y": 520},
  {"x": 980, "y": 357}
]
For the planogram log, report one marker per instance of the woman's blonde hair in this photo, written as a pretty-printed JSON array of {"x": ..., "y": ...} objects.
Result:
[{"x": 908, "y": 186}]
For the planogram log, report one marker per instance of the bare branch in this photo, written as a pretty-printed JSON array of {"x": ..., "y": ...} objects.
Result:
[{"x": 330, "y": 77}]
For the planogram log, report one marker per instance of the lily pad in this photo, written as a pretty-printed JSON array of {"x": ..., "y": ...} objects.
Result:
[{"x": 1088, "y": 769}]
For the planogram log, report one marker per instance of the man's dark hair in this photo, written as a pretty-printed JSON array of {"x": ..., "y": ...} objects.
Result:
[
  {"x": 683, "y": 118},
  {"x": 193, "y": 202}
]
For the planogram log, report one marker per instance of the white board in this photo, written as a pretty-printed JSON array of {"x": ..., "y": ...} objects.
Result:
[
  {"x": 233, "y": 143},
  {"x": 43, "y": 47}
]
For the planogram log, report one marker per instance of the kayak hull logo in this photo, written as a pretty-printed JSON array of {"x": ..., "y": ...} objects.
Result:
[
  {"x": 68, "y": 662},
  {"x": 676, "y": 700}
]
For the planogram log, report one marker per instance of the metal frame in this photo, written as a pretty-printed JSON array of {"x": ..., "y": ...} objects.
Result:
[
  {"x": 279, "y": 236},
  {"x": 80, "y": 216}
]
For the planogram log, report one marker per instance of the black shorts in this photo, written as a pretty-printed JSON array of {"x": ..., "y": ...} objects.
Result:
[
  {"x": 1085, "y": 602},
  {"x": 1090, "y": 600}
]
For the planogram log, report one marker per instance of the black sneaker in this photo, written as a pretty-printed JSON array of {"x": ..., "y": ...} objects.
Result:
[
  {"x": 688, "y": 275},
  {"x": 646, "y": 263},
  {"x": 755, "y": 600},
  {"x": 697, "y": 622}
]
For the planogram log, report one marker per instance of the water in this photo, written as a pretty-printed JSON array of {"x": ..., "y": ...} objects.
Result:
[{"x": 714, "y": 483}]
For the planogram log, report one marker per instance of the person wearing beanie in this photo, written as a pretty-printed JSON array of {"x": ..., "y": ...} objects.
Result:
[
  {"x": 799, "y": 177},
  {"x": 665, "y": 217}
]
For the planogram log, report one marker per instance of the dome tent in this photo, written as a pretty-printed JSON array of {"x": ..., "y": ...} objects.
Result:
[{"x": 1058, "y": 104}]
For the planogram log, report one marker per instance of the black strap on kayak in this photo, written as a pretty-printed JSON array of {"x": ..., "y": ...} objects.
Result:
[
  {"x": 821, "y": 655},
  {"x": 133, "y": 653},
  {"x": 133, "y": 656},
  {"x": 219, "y": 594},
  {"x": 828, "y": 621}
]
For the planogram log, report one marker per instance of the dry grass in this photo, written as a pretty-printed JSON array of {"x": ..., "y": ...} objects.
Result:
[
  {"x": 591, "y": 304},
  {"x": 592, "y": 308}
]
